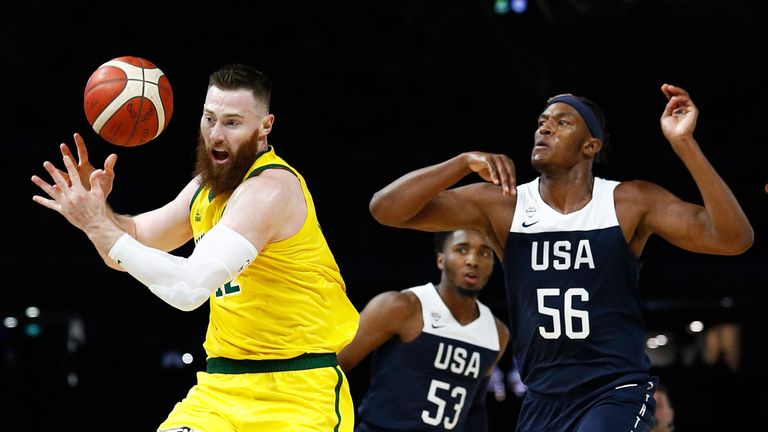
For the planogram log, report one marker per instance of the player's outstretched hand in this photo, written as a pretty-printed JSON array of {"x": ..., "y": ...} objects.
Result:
[
  {"x": 84, "y": 167},
  {"x": 68, "y": 194}
]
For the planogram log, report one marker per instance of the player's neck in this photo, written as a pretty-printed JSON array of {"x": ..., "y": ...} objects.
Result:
[
  {"x": 463, "y": 308},
  {"x": 568, "y": 193}
]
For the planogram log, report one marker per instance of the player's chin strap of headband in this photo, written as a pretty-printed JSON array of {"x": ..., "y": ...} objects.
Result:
[
  {"x": 586, "y": 113},
  {"x": 186, "y": 283}
]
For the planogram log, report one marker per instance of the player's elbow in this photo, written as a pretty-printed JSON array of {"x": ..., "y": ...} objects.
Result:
[
  {"x": 181, "y": 296},
  {"x": 384, "y": 211},
  {"x": 187, "y": 307},
  {"x": 741, "y": 241},
  {"x": 192, "y": 302},
  {"x": 378, "y": 209}
]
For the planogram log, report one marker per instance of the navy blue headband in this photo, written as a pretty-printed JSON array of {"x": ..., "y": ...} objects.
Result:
[{"x": 586, "y": 113}]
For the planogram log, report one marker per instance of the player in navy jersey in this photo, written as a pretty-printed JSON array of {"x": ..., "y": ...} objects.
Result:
[
  {"x": 435, "y": 346},
  {"x": 569, "y": 243}
]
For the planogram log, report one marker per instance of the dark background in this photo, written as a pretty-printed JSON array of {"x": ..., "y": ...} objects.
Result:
[{"x": 363, "y": 93}]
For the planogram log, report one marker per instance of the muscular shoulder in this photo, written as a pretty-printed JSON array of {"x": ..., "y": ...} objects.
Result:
[
  {"x": 497, "y": 209},
  {"x": 402, "y": 310},
  {"x": 402, "y": 304},
  {"x": 271, "y": 184},
  {"x": 636, "y": 201},
  {"x": 634, "y": 198},
  {"x": 634, "y": 190},
  {"x": 268, "y": 207}
]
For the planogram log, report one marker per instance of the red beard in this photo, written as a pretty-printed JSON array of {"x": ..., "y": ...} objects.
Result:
[{"x": 225, "y": 178}]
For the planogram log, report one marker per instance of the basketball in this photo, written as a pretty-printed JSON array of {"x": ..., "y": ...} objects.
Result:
[{"x": 128, "y": 101}]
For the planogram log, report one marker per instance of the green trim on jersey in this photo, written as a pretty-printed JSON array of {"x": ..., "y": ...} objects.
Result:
[
  {"x": 197, "y": 192},
  {"x": 305, "y": 361},
  {"x": 263, "y": 168}
]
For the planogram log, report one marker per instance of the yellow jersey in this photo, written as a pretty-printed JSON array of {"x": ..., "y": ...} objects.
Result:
[{"x": 289, "y": 301}]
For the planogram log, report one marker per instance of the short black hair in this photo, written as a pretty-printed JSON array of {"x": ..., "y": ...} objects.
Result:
[{"x": 440, "y": 238}]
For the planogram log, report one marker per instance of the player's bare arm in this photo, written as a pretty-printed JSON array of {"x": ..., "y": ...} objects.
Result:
[
  {"x": 267, "y": 208},
  {"x": 722, "y": 226},
  {"x": 387, "y": 315},
  {"x": 166, "y": 228},
  {"x": 719, "y": 226},
  {"x": 421, "y": 199}
]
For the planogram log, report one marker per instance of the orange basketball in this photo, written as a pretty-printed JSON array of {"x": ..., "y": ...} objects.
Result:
[{"x": 128, "y": 101}]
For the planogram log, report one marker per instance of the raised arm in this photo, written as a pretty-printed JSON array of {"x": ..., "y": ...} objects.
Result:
[
  {"x": 166, "y": 228},
  {"x": 720, "y": 225},
  {"x": 422, "y": 199},
  {"x": 224, "y": 251}
]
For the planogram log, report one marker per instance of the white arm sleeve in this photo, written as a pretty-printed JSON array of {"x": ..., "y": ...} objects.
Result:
[{"x": 186, "y": 283}]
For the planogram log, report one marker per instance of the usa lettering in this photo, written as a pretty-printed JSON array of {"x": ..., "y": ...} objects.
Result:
[
  {"x": 455, "y": 359},
  {"x": 561, "y": 255}
]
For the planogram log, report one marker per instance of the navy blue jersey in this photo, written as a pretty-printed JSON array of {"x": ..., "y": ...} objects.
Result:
[
  {"x": 572, "y": 286},
  {"x": 429, "y": 384}
]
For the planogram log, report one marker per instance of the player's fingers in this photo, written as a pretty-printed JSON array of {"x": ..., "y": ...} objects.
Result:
[
  {"x": 679, "y": 91},
  {"x": 51, "y": 204},
  {"x": 65, "y": 151},
  {"x": 74, "y": 176},
  {"x": 109, "y": 164},
  {"x": 44, "y": 185},
  {"x": 65, "y": 175},
  {"x": 94, "y": 180},
  {"x": 82, "y": 151},
  {"x": 670, "y": 107},
  {"x": 507, "y": 174},
  {"x": 56, "y": 175},
  {"x": 665, "y": 89},
  {"x": 492, "y": 170}
]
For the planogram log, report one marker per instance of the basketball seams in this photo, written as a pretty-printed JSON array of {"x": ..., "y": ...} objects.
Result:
[
  {"x": 115, "y": 105},
  {"x": 127, "y": 107},
  {"x": 140, "y": 109}
]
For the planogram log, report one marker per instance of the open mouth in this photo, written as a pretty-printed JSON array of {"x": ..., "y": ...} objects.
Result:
[
  {"x": 470, "y": 278},
  {"x": 219, "y": 155}
]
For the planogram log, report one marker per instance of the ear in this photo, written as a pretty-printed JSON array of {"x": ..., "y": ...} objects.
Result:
[
  {"x": 266, "y": 124},
  {"x": 592, "y": 147},
  {"x": 441, "y": 261}
]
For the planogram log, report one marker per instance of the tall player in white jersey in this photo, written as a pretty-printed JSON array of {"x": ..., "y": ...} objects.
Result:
[
  {"x": 570, "y": 244},
  {"x": 435, "y": 346}
]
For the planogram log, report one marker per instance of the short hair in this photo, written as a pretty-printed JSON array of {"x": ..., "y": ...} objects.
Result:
[
  {"x": 440, "y": 238},
  {"x": 239, "y": 76}
]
